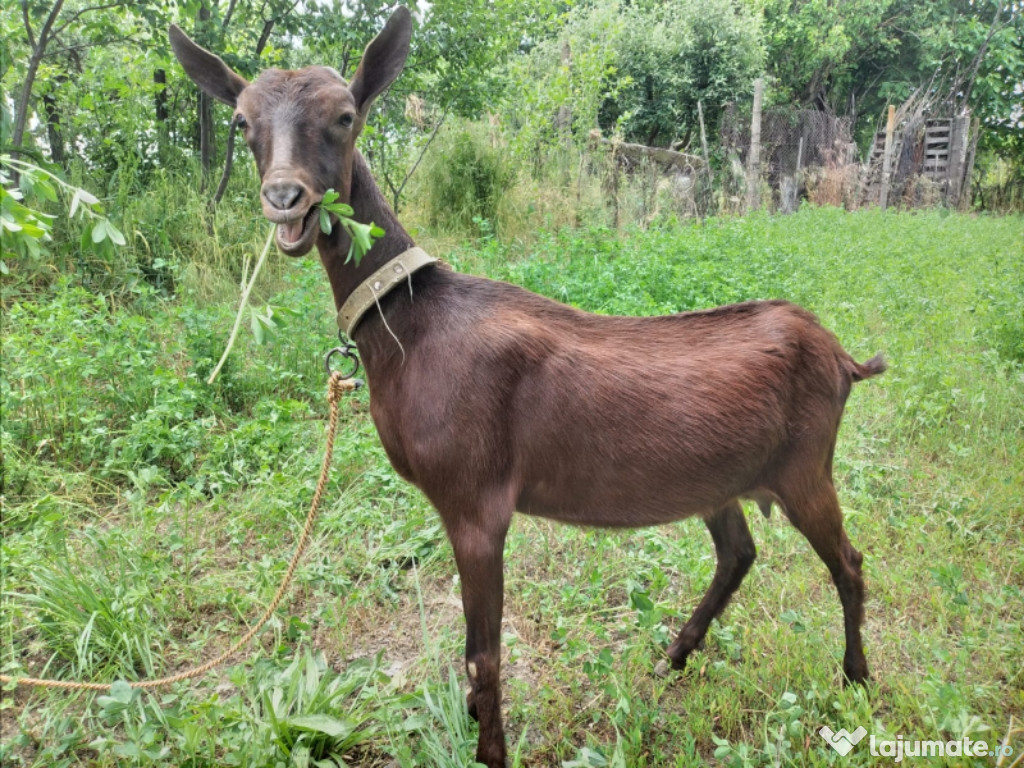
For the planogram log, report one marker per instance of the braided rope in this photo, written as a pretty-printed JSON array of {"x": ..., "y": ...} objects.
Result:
[{"x": 336, "y": 386}]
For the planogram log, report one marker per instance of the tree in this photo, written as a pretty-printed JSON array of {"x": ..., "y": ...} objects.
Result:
[
  {"x": 45, "y": 27},
  {"x": 38, "y": 45},
  {"x": 64, "y": 64},
  {"x": 640, "y": 68},
  {"x": 859, "y": 55},
  {"x": 556, "y": 90},
  {"x": 814, "y": 47},
  {"x": 675, "y": 54},
  {"x": 998, "y": 93},
  {"x": 454, "y": 68}
]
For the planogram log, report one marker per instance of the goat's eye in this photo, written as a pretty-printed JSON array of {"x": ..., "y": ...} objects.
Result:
[
  {"x": 241, "y": 122},
  {"x": 345, "y": 120}
]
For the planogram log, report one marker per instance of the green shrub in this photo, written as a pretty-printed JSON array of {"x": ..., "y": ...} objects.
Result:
[
  {"x": 464, "y": 180},
  {"x": 76, "y": 368},
  {"x": 1006, "y": 329}
]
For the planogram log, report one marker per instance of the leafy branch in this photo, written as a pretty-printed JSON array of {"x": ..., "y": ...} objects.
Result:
[
  {"x": 362, "y": 236},
  {"x": 26, "y": 228}
]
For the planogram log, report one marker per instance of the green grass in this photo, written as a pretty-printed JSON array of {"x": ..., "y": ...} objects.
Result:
[{"x": 147, "y": 518}]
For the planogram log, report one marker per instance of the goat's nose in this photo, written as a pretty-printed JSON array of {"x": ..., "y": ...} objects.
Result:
[{"x": 283, "y": 195}]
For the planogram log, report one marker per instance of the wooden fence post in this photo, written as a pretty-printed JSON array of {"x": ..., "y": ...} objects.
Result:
[
  {"x": 965, "y": 190},
  {"x": 754, "y": 158},
  {"x": 890, "y": 127},
  {"x": 706, "y": 188},
  {"x": 615, "y": 180},
  {"x": 789, "y": 185},
  {"x": 959, "y": 138},
  {"x": 703, "y": 134}
]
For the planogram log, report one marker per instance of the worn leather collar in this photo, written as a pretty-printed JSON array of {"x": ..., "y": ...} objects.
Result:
[{"x": 377, "y": 285}]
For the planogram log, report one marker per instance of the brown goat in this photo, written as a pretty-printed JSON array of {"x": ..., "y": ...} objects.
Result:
[{"x": 497, "y": 400}]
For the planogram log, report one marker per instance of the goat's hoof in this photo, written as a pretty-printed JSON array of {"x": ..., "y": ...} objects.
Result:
[
  {"x": 855, "y": 671},
  {"x": 856, "y": 678},
  {"x": 499, "y": 760},
  {"x": 673, "y": 662}
]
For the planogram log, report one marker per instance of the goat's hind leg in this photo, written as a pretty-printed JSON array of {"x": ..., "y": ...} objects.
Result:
[
  {"x": 815, "y": 512},
  {"x": 735, "y": 550}
]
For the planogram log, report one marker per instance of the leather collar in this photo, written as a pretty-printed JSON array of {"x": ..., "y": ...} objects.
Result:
[{"x": 377, "y": 285}]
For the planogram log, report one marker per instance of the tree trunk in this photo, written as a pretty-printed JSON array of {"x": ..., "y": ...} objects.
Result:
[
  {"x": 703, "y": 135},
  {"x": 38, "y": 50},
  {"x": 965, "y": 99},
  {"x": 160, "y": 100},
  {"x": 268, "y": 27},
  {"x": 53, "y": 132},
  {"x": 890, "y": 133},
  {"x": 229, "y": 152},
  {"x": 204, "y": 118},
  {"x": 229, "y": 160},
  {"x": 754, "y": 158},
  {"x": 637, "y": 152},
  {"x": 207, "y": 139},
  {"x": 563, "y": 120},
  {"x": 163, "y": 129}
]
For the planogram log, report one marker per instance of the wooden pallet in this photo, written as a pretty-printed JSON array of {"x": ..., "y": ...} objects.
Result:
[{"x": 947, "y": 155}]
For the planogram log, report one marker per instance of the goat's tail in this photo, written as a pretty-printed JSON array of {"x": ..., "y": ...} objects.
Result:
[{"x": 873, "y": 367}]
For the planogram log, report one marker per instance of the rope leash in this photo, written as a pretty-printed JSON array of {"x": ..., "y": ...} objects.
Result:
[{"x": 337, "y": 385}]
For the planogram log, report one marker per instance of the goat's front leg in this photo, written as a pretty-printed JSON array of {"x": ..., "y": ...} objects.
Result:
[{"x": 479, "y": 545}]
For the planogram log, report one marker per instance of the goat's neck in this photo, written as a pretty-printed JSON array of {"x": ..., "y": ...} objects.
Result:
[{"x": 368, "y": 205}]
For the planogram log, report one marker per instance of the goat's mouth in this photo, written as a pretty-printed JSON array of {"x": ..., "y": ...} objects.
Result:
[{"x": 295, "y": 237}]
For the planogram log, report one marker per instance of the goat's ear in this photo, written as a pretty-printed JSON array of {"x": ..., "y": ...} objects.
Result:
[
  {"x": 383, "y": 60},
  {"x": 212, "y": 75}
]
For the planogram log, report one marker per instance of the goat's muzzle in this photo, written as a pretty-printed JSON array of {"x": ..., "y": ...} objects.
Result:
[{"x": 292, "y": 206}]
